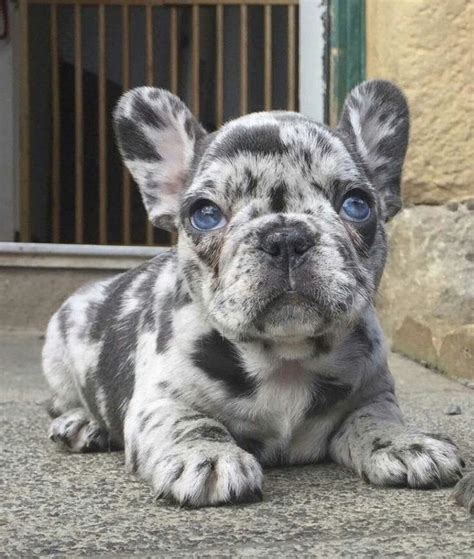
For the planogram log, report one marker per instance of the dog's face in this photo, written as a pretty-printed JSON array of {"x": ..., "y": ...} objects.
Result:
[{"x": 280, "y": 220}]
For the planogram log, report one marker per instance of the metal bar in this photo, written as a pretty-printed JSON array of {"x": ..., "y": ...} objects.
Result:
[
  {"x": 102, "y": 70},
  {"x": 195, "y": 60},
  {"x": 79, "y": 115},
  {"x": 244, "y": 69},
  {"x": 150, "y": 230},
  {"x": 174, "y": 69},
  {"x": 25, "y": 146},
  {"x": 174, "y": 50},
  {"x": 63, "y": 249},
  {"x": 219, "y": 65},
  {"x": 291, "y": 58},
  {"x": 56, "y": 129},
  {"x": 126, "y": 182},
  {"x": 47, "y": 255},
  {"x": 267, "y": 66},
  {"x": 169, "y": 2},
  {"x": 149, "y": 44}
]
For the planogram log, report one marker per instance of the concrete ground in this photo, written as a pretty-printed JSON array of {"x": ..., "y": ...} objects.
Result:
[{"x": 60, "y": 504}]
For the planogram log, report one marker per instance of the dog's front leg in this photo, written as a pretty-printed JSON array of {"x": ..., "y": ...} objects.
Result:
[
  {"x": 375, "y": 443},
  {"x": 189, "y": 457}
]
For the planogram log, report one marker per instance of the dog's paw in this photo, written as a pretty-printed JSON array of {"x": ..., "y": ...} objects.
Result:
[
  {"x": 209, "y": 476},
  {"x": 463, "y": 493},
  {"x": 416, "y": 460},
  {"x": 77, "y": 432}
]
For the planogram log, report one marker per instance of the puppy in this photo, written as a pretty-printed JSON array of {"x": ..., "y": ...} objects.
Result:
[{"x": 255, "y": 341}]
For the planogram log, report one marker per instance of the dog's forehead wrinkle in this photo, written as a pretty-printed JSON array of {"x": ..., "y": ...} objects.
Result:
[
  {"x": 287, "y": 140},
  {"x": 250, "y": 176}
]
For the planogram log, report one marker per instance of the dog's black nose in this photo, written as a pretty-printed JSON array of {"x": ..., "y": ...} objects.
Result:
[{"x": 288, "y": 243}]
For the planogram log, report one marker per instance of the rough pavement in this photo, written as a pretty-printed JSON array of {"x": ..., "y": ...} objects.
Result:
[{"x": 59, "y": 504}]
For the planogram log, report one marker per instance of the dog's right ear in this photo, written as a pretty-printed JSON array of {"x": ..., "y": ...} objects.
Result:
[{"x": 157, "y": 135}]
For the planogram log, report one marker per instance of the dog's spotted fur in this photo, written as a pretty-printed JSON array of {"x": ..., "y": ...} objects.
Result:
[{"x": 223, "y": 355}]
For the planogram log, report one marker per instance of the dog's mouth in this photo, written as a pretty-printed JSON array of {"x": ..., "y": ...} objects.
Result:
[{"x": 289, "y": 312}]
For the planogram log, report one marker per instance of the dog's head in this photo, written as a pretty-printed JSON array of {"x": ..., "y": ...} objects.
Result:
[{"x": 280, "y": 219}]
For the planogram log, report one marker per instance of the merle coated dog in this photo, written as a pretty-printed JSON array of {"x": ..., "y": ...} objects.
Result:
[{"x": 255, "y": 341}]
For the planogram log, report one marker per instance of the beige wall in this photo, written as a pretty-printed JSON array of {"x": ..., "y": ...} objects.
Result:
[
  {"x": 427, "y": 47},
  {"x": 426, "y": 298}
]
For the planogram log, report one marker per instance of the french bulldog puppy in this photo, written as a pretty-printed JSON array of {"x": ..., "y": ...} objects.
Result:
[{"x": 255, "y": 341}]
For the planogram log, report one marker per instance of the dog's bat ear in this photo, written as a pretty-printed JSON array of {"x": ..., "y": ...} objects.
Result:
[
  {"x": 376, "y": 117},
  {"x": 157, "y": 137}
]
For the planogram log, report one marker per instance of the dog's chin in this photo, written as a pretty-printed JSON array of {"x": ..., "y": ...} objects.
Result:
[{"x": 290, "y": 316}]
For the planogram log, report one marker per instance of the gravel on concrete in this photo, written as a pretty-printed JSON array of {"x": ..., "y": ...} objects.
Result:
[{"x": 58, "y": 504}]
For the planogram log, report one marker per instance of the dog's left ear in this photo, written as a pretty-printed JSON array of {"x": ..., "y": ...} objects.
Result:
[{"x": 376, "y": 117}]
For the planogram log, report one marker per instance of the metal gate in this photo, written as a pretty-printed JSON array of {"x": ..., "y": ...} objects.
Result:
[{"x": 223, "y": 57}]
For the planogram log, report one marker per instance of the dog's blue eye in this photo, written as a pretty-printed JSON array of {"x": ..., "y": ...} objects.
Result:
[
  {"x": 355, "y": 208},
  {"x": 207, "y": 217}
]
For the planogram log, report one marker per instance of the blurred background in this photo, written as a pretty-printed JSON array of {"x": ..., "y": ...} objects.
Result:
[{"x": 64, "y": 63}]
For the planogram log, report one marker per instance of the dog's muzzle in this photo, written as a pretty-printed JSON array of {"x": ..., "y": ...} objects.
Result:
[{"x": 286, "y": 246}]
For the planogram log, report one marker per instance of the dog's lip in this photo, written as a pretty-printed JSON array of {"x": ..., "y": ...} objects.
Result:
[
  {"x": 286, "y": 297},
  {"x": 290, "y": 296}
]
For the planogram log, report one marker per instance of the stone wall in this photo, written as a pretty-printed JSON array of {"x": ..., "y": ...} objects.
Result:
[{"x": 427, "y": 294}]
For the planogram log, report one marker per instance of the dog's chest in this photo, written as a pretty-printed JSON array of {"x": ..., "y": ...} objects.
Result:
[
  {"x": 290, "y": 415},
  {"x": 278, "y": 406}
]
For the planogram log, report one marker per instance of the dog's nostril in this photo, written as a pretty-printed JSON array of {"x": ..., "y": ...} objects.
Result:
[
  {"x": 287, "y": 243},
  {"x": 272, "y": 247},
  {"x": 301, "y": 245}
]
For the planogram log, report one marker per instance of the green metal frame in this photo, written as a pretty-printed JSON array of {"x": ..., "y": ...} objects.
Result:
[{"x": 346, "y": 52}]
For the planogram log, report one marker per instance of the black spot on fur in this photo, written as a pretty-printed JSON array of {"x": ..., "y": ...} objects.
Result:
[
  {"x": 64, "y": 316},
  {"x": 218, "y": 358},
  {"x": 189, "y": 126},
  {"x": 307, "y": 158},
  {"x": 51, "y": 409},
  {"x": 322, "y": 344},
  {"x": 327, "y": 392},
  {"x": 377, "y": 444},
  {"x": 206, "y": 464},
  {"x": 149, "y": 319},
  {"x": 165, "y": 324},
  {"x": 204, "y": 433},
  {"x": 177, "y": 473},
  {"x": 362, "y": 340},
  {"x": 133, "y": 143},
  {"x": 146, "y": 418},
  {"x": 277, "y": 198},
  {"x": 258, "y": 140},
  {"x": 316, "y": 186},
  {"x": 416, "y": 447},
  {"x": 89, "y": 392},
  {"x": 251, "y": 182},
  {"x": 189, "y": 417},
  {"x": 134, "y": 459},
  {"x": 249, "y": 444},
  {"x": 143, "y": 112},
  {"x": 191, "y": 272}
]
